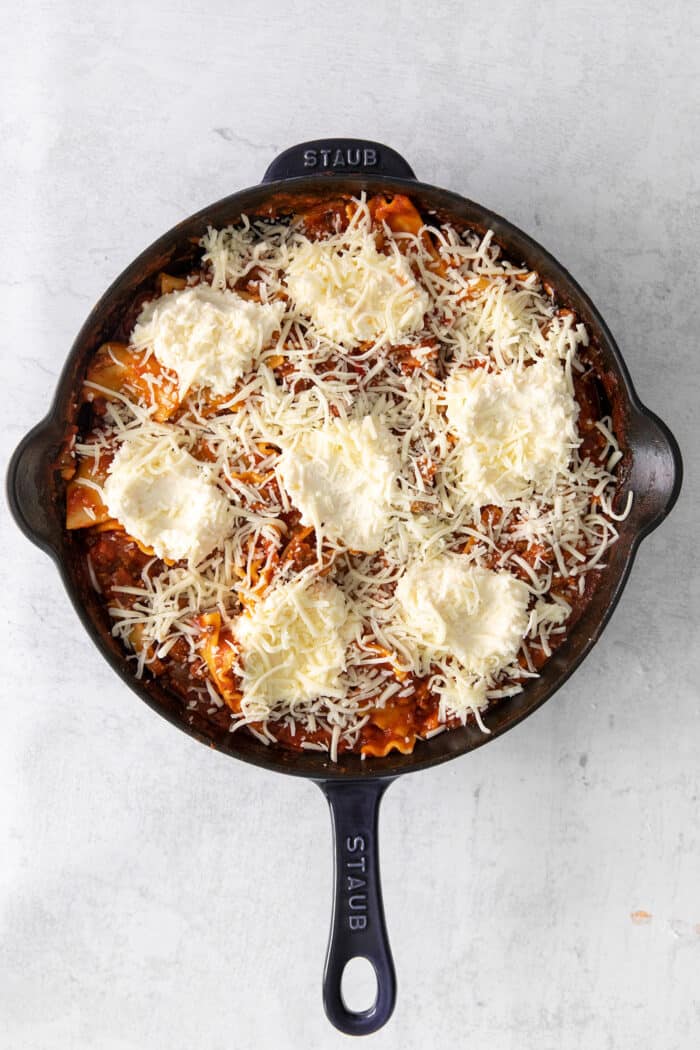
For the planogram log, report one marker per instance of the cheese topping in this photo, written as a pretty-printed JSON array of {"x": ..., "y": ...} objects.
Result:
[
  {"x": 517, "y": 429},
  {"x": 162, "y": 497},
  {"x": 293, "y": 644},
  {"x": 462, "y": 695},
  {"x": 354, "y": 293},
  {"x": 341, "y": 477},
  {"x": 476, "y": 615},
  {"x": 208, "y": 337},
  {"x": 416, "y": 379}
]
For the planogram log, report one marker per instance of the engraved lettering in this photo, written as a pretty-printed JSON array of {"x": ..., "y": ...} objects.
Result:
[
  {"x": 355, "y": 899},
  {"x": 360, "y": 863},
  {"x": 352, "y": 157}
]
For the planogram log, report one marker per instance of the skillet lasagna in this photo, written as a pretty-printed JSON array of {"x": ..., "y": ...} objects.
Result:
[{"x": 348, "y": 482}]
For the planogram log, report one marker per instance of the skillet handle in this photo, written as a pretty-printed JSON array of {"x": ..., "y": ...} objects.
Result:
[
  {"x": 28, "y": 488},
  {"x": 357, "y": 927},
  {"x": 658, "y": 472},
  {"x": 340, "y": 157}
]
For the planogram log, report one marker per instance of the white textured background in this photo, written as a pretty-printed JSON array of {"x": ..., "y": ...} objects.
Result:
[{"x": 155, "y": 895}]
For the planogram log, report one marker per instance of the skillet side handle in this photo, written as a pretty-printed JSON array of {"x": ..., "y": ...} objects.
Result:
[
  {"x": 28, "y": 487},
  {"x": 338, "y": 156},
  {"x": 660, "y": 470},
  {"x": 357, "y": 927}
]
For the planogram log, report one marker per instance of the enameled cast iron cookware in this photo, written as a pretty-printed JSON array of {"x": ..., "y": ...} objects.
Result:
[{"x": 651, "y": 468}]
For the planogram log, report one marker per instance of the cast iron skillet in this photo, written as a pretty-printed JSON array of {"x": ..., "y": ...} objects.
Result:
[{"x": 651, "y": 468}]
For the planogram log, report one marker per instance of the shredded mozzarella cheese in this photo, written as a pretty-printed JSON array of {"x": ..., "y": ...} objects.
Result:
[
  {"x": 351, "y": 291},
  {"x": 293, "y": 646}
]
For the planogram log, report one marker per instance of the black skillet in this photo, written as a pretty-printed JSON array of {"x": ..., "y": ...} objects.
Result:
[{"x": 651, "y": 468}]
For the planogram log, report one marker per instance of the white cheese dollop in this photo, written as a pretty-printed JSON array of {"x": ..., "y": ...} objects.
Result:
[
  {"x": 354, "y": 293},
  {"x": 162, "y": 497},
  {"x": 476, "y": 615},
  {"x": 208, "y": 337},
  {"x": 293, "y": 643},
  {"x": 517, "y": 429},
  {"x": 341, "y": 477}
]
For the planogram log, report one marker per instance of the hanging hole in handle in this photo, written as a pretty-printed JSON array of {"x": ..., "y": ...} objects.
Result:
[{"x": 358, "y": 985}]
